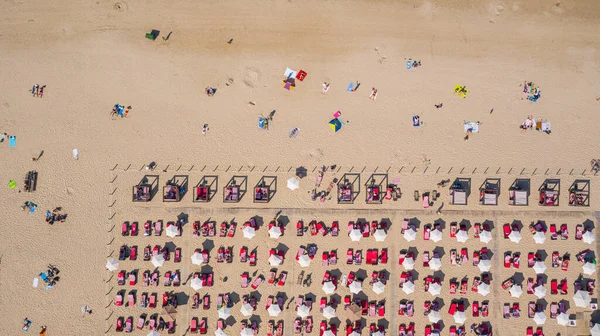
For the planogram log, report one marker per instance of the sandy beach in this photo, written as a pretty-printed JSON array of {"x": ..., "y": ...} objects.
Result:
[{"x": 93, "y": 55}]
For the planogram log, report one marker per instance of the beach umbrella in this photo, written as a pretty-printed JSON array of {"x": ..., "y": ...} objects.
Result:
[
  {"x": 304, "y": 260},
  {"x": 515, "y": 236},
  {"x": 303, "y": 311},
  {"x": 460, "y": 317},
  {"x": 378, "y": 287},
  {"x": 335, "y": 124},
  {"x": 355, "y": 287},
  {"x": 249, "y": 232},
  {"x": 582, "y": 299},
  {"x": 293, "y": 183},
  {"x": 196, "y": 284},
  {"x": 301, "y": 172},
  {"x": 197, "y": 258},
  {"x": 328, "y": 333},
  {"x": 377, "y": 333},
  {"x": 409, "y": 287},
  {"x": 112, "y": 264},
  {"x": 435, "y": 264},
  {"x": 275, "y": 260},
  {"x": 246, "y": 309},
  {"x": 539, "y": 318},
  {"x": 539, "y": 237},
  {"x": 158, "y": 260},
  {"x": 329, "y": 288},
  {"x": 355, "y": 235},
  {"x": 247, "y": 332},
  {"x": 483, "y": 289},
  {"x": 328, "y": 312},
  {"x": 485, "y": 237},
  {"x": 220, "y": 332},
  {"x": 434, "y": 316},
  {"x": 224, "y": 313},
  {"x": 588, "y": 237},
  {"x": 408, "y": 263},
  {"x": 172, "y": 231},
  {"x": 435, "y": 289},
  {"x": 275, "y": 232},
  {"x": 595, "y": 330},
  {"x": 562, "y": 319},
  {"x": 274, "y": 310},
  {"x": 540, "y": 292},
  {"x": 435, "y": 235},
  {"x": 588, "y": 268},
  {"x": 379, "y": 235},
  {"x": 462, "y": 236},
  {"x": 153, "y": 333},
  {"x": 354, "y": 333},
  {"x": 539, "y": 267},
  {"x": 485, "y": 265},
  {"x": 516, "y": 291},
  {"x": 410, "y": 235}
]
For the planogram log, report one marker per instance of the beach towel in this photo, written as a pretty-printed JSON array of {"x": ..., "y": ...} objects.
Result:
[
  {"x": 35, "y": 282},
  {"x": 408, "y": 64},
  {"x": 350, "y": 87},
  {"x": 120, "y": 110},
  {"x": 12, "y": 184},
  {"x": 473, "y": 126},
  {"x": 289, "y": 73},
  {"x": 292, "y": 134},
  {"x": 337, "y": 114},
  {"x": 12, "y": 140},
  {"x": 76, "y": 154},
  {"x": 261, "y": 122},
  {"x": 416, "y": 121}
]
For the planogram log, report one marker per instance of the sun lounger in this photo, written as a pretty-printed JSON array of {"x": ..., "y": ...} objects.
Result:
[
  {"x": 464, "y": 255},
  {"x": 282, "y": 278},
  {"x": 564, "y": 232},
  {"x": 257, "y": 282},
  {"x": 118, "y": 300},
  {"x": 426, "y": 259},
  {"x": 120, "y": 278},
  {"x": 335, "y": 228},
  {"x": 565, "y": 263},
  {"x": 158, "y": 228},
  {"x": 553, "y": 310},
  {"x": 152, "y": 303},
  {"x": 118, "y": 325},
  {"x": 129, "y": 325},
  {"x": 453, "y": 228},
  {"x": 426, "y": 232},
  {"x": 141, "y": 322},
  {"x": 531, "y": 309},
  {"x": 130, "y": 300},
  {"x": 506, "y": 310},
  {"x": 124, "y": 228}
]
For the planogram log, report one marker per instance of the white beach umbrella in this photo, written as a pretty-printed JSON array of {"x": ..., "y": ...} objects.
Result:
[
  {"x": 539, "y": 237},
  {"x": 274, "y": 310},
  {"x": 355, "y": 235},
  {"x": 355, "y": 287},
  {"x": 275, "y": 232},
  {"x": 158, "y": 260},
  {"x": 540, "y": 292},
  {"x": 112, "y": 264},
  {"x": 275, "y": 260},
  {"x": 582, "y": 299},
  {"x": 303, "y": 311},
  {"x": 328, "y": 312},
  {"x": 485, "y": 265},
  {"x": 379, "y": 235},
  {"x": 515, "y": 236},
  {"x": 328, "y": 332},
  {"x": 197, "y": 258},
  {"x": 485, "y": 237},
  {"x": 435, "y": 235},
  {"x": 293, "y": 183},
  {"x": 434, "y": 316},
  {"x": 539, "y": 267},
  {"x": 409, "y": 287},
  {"x": 562, "y": 319},
  {"x": 589, "y": 268},
  {"x": 153, "y": 333},
  {"x": 462, "y": 236},
  {"x": 377, "y": 333},
  {"x": 354, "y": 333},
  {"x": 329, "y": 288},
  {"x": 247, "y": 332},
  {"x": 595, "y": 330},
  {"x": 539, "y": 318},
  {"x": 220, "y": 332},
  {"x": 516, "y": 291},
  {"x": 435, "y": 264},
  {"x": 410, "y": 235},
  {"x": 304, "y": 260},
  {"x": 196, "y": 284},
  {"x": 249, "y": 232},
  {"x": 460, "y": 317},
  {"x": 378, "y": 287},
  {"x": 588, "y": 237},
  {"x": 435, "y": 289},
  {"x": 246, "y": 309},
  {"x": 172, "y": 231},
  {"x": 483, "y": 289},
  {"x": 224, "y": 313},
  {"x": 408, "y": 263}
]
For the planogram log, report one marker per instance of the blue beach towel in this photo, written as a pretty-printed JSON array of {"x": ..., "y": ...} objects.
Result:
[
  {"x": 408, "y": 64},
  {"x": 350, "y": 87},
  {"x": 416, "y": 121},
  {"x": 12, "y": 140}
]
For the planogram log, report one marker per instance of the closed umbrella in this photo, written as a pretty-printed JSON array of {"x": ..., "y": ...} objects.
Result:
[
  {"x": 595, "y": 330},
  {"x": 329, "y": 288},
  {"x": 112, "y": 264},
  {"x": 462, "y": 236},
  {"x": 485, "y": 237},
  {"x": 196, "y": 284},
  {"x": 410, "y": 235},
  {"x": 539, "y": 318},
  {"x": 516, "y": 291},
  {"x": 409, "y": 287},
  {"x": 434, "y": 316},
  {"x": 460, "y": 317},
  {"x": 378, "y": 287},
  {"x": 435, "y": 289},
  {"x": 589, "y": 268},
  {"x": 293, "y": 183},
  {"x": 540, "y": 292},
  {"x": 304, "y": 260},
  {"x": 380, "y": 235},
  {"x": 246, "y": 310},
  {"x": 408, "y": 263},
  {"x": 275, "y": 260},
  {"x": 274, "y": 310},
  {"x": 328, "y": 312},
  {"x": 197, "y": 258},
  {"x": 355, "y": 235},
  {"x": 224, "y": 313},
  {"x": 220, "y": 332},
  {"x": 303, "y": 311},
  {"x": 249, "y": 232},
  {"x": 172, "y": 231},
  {"x": 539, "y": 237},
  {"x": 435, "y": 264},
  {"x": 562, "y": 319},
  {"x": 582, "y": 298},
  {"x": 247, "y": 332},
  {"x": 515, "y": 236},
  {"x": 485, "y": 265},
  {"x": 158, "y": 260},
  {"x": 588, "y": 237},
  {"x": 483, "y": 289},
  {"x": 539, "y": 267},
  {"x": 435, "y": 235},
  {"x": 355, "y": 287},
  {"x": 275, "y": 232}
]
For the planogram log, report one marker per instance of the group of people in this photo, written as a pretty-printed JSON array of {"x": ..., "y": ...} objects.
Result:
[
  {"x": 528, "y": 123},
  {"x": 38, "y": 91},
  {"x": 531, "y": 90},
  {"x": 51, "y": 277},
  {"x": 210, "y": 91},
  {"x": 29, "y": 206},
  {"x": 120, "y": 111},
  {"x": 55, "y": 216}
]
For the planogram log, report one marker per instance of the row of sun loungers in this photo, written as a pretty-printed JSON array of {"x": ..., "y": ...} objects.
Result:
[{"x": 154, "y": 323}]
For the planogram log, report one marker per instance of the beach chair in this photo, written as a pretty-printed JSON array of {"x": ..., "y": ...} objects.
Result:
[
  {"x": 130, "y": 300},
  {"x": 205, "y": 302},
  {"x": 531, "y": 309},
  {"x": 476, "y": 230},
  {"x": 333, "y": 258},
  {"x": 118, "y": 325},
  {"x": 507, "y": 260},
  {"x": 335, "y": 228},
  {"x": 358, "y": 257},
  {"x": 485, "y": 309},
  {"x": 257, "y": 282},
  {"x": 452, "y": 308},
  {"x": 245, "y": 280},
  {"x": 194, "y": 325},
  {"x": 144, "y": 300},
  {"x": 282, "y": 278},
  {"x": 118, "y": 300},
  {"x": 529, "y": 331},
  {"x": 404, "y": 225},
  {"x": 426, "y": 259},
  {"x": 530, "y": 259},
  {"x": 475, "y": 258},
  {"x": 553, "y": 310},
  {"x": 476, "y": 282},
  {"x": 565, "y": 263},
  {"x": 124, "y": 228},
  {"x": 158, "y": 228},
  {"x": 325, "y": 259},
  {"x": 579, "y": 232},
  {"x": 134, "y": 228},
  {"x": 506, "y": 311},
  {"x": 426, "y": 232},
  {"x": 141, "y": 322},
  {"x": 425, "y": 198},
  {"x": 516, "y": 310},
  {"x": 428, "y": 330},
  {"x": 453, "y": 228},
  {"x": 171, "y": 327},
  {"x": 453, "y": 256},
  {"x": 464, "y": 255},
  {"x": 232, "y": 227},
  {"x": 463, "y": 286},
  {"x": 120, "y": 278},
  {"x": 564, "y": 232},
  {"x": 129, "y": 324},
  {"x": 152, "y": 303},
  {"x": 152, "y": 322}
]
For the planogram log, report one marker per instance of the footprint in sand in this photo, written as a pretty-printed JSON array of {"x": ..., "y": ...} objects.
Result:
[
  {"x": 120, "y": 6},
  {"x": 557, "y": 8},
  {"x": 251, "y": 77},
  {"x": 499, "y": 8}
]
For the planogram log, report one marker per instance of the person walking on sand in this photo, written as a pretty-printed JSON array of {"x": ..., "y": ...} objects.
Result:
[
  {"x": 356, "y": 86},
  {"x": 325, "y": 87},
  {"x": 439, "y": 106},
  {"x": 42, "y": 91},
  {"x": 204, "y": 129},
  {"x": 34, "y": 89}
]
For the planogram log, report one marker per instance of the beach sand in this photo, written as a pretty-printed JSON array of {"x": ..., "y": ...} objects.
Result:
[{"x": 92, "y": 55}]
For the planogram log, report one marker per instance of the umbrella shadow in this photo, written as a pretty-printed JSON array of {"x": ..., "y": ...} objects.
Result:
[
  {"x": 259, "y": 221},
  {"x": 466, "y": 223},
  {"x": 283, "y": 220},
  {"x": 441, "y": 222},
  {"x": 543, "y": 255},
  {"x": 387, "y": 222},
  {"x": 208, "y": 244},
  {"x": 182, "y": 298},
  {"x": 518, "y": 223},
  {"x": 384, "y": 323},
  {"x": 230, "y": 321},
  {"x": 183, "y": 218},
  {"x": 257, "y": 295},
  {"x": 414, "y": 221},
  {"x": 489, "y": 223},
  {"x": 440, "y": 251},
  {"x": 518, "y": 279},
  {"x": 282, "y": 247}
]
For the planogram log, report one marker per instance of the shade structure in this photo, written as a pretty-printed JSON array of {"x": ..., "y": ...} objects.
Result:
[
  {"x": 355, "y": 235},
  {"x": 595, "y": 330},
  {"x": 483, "y": 289},
  {"x": 485, "y": 265},
  {"x": 112, "y": 264},
  {"x": 224, "y": 313},
  {"x": 460, "y": 317},
  {"x": 539, "y": 237},
  {"x": 153, "y": 333},
  {"x": 435, "y": 264},
  {"x": 485, "y": 237},
  {"x": 378, "y": 287},
  {"x": 247, "y": 332},
  {"x": 328, "y": 333},
  {"x": 220, "y": 332},
  {"x": 329, "y": 288},
  {"x": 335, "y": 124},
  {"x": 304, "y": 260},
  {"x": 410, "y": 235},
  {"x": 462, "y": 236},
  {"x": 562, "y": 319},
  {"x": 172, "y": 231},
  {"x": 434, "y": 316},
  {"x": 355, "y": 287},
  {"x": 588, "y": 237},
  {"x": 408, "y": 263},
  {"x": 293, "y": 183},
  {"x": 249, "y": 232},
  {"x": 246, "y": 309},
  {"x": 197, "y": 258},
  {"x": 158, "y": 260},
  {"x": 409, "y": 287},
  {"x": 196, "y": 284},
  {"x": 435, "y": 235},
  {"x": 515, "y": 236},
  {"x": 516, "y": 291},
  {"x": 303, "y": 311},
  {"x": 435, "y": 289},
  {"x": 589, "y": 268},
  {"x": 539, "y": 318},
  {"x": 539, "y": 267},
  {"x": 275, "y": 232},
  {"x": 582, "y": 298},
  {"x": 379, "y": 235},
  {"x": 274, "y": 310},
  {"x": 275, "y": 260},
  {"x": 328, "y": 312},
  {"x": 540, "y": 292}
]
